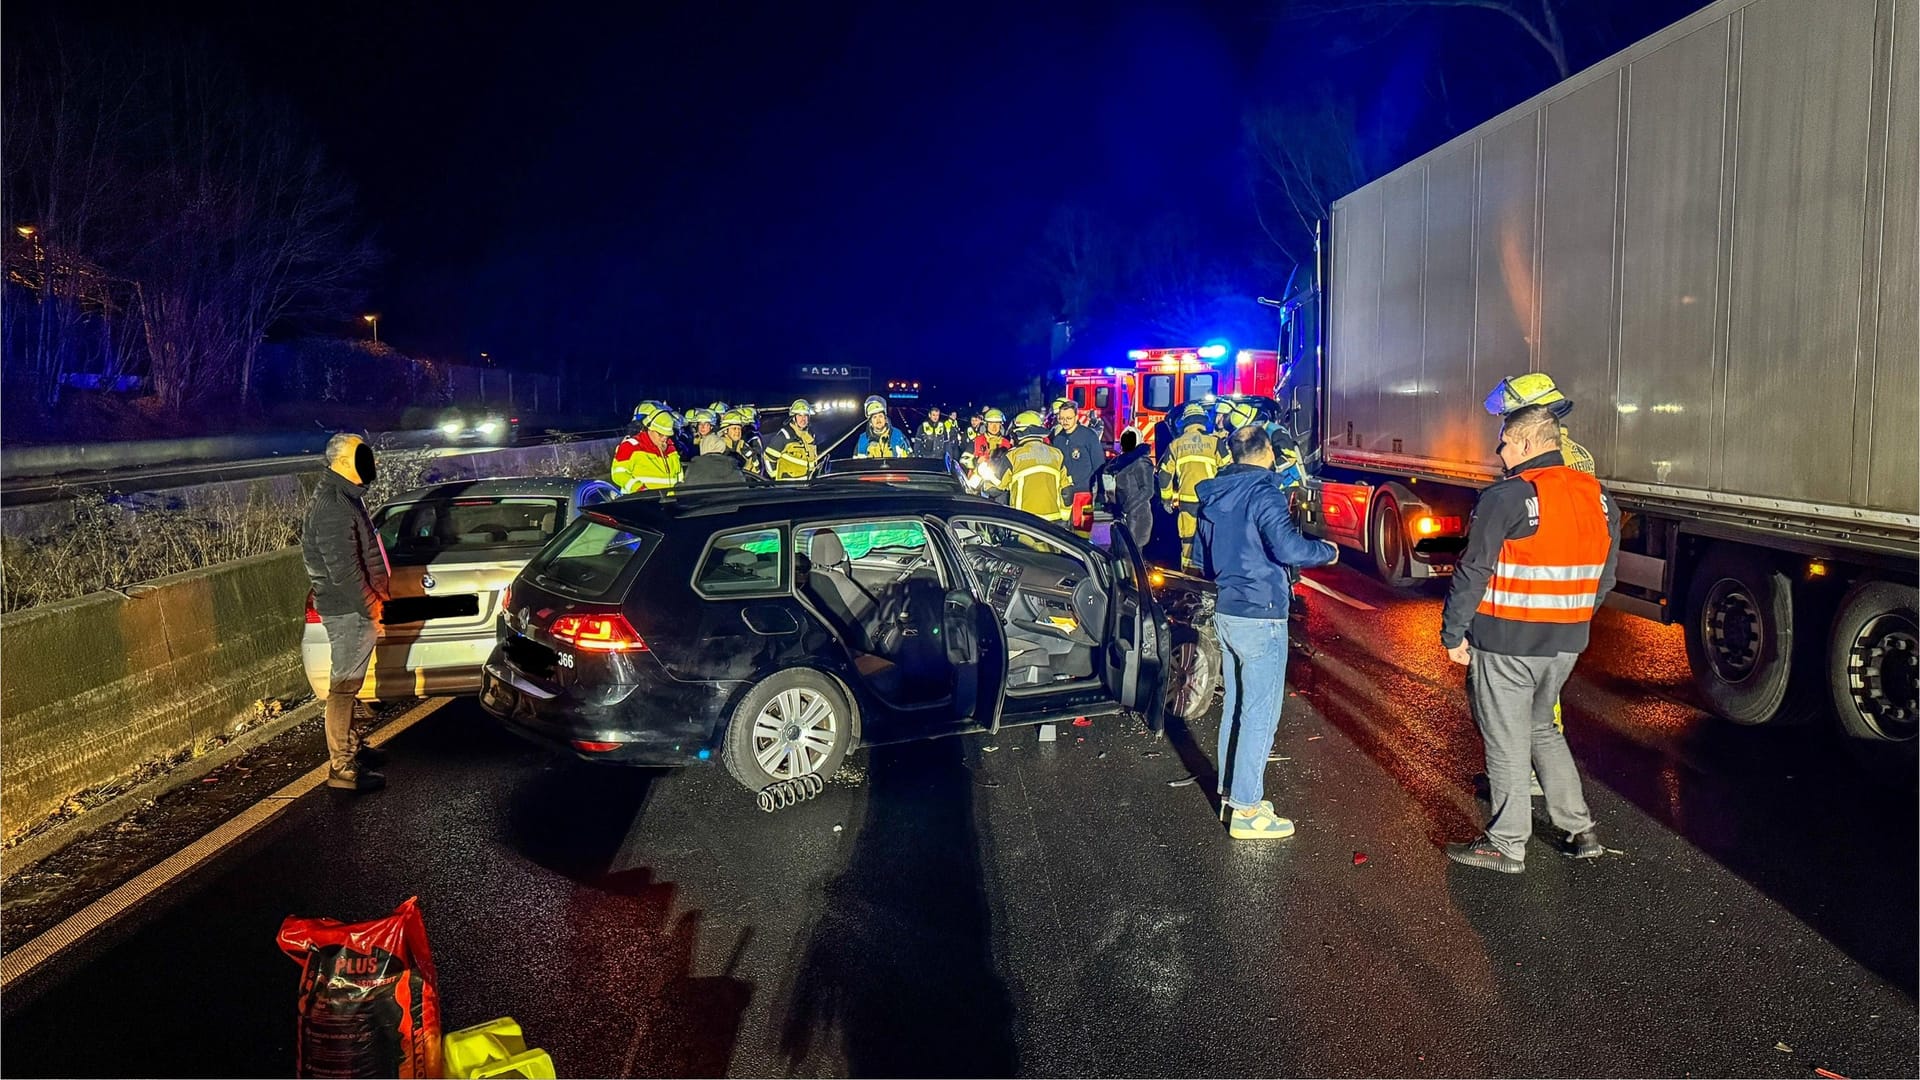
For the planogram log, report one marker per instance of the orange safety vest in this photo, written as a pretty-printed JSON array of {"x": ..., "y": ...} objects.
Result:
[{"x": 1553, "y": 576}]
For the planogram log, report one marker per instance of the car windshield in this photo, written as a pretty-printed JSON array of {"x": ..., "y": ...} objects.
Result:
[
  {"x": 593, "y": 559},
  {"x": 435, "y": 526}
]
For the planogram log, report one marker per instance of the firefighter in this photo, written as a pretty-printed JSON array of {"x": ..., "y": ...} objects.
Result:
[
  {"x": 990, "y": 440},
  {"x": 644, "y": 412},
  {"x": 790, "y": 452},
  {"x": 699, "y": 425},
  {"x": 1540, "y": 559},
  {"x": 751, "y": 446},
  {"x": 1192, "y": 458},
  {"x": 1033, "y": 475},
  {"x": 1080, "y": 446},
  {"x": 1519, "y": 391},
  {"x": 734, "y": 426},
  {"x": 648, "y": 460},
  {"x": 880, "y": 440},
  {"x": 939, "y": 435}
]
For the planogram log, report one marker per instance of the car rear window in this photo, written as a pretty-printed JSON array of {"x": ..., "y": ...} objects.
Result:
[
  {"x": 739, "y": 563},
  {"x": 859, "y": 538},
  {"x": 434, "y": 526},
  {"x": 592, "y": 559}
]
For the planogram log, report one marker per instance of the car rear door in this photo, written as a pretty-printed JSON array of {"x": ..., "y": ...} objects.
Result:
[{"x": 1137, "y": 640}]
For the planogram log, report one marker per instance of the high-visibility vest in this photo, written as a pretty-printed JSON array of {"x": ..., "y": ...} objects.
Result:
[
  {"x": 791, "y": 454},
  {"x": 639, "y": 464},
  {"x": 1553, "y": 576},
  {"x": 1036, "y": 480},
  {"x": 1192, "y": 459}
]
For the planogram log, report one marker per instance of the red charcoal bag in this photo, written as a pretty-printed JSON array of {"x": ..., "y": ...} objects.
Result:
[{"x": 368, "y": 1004}]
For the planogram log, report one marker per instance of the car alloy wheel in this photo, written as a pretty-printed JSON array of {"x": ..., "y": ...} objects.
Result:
[{"x": 794, "y": 733}]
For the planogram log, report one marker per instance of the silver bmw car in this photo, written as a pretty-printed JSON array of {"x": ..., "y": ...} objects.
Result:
[{"x": 453, "y": 549}]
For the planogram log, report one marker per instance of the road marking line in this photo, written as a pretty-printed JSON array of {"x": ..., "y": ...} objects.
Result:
[
  {"x": 1357, "y": 605},
  {"x": 84, "y": 922}
]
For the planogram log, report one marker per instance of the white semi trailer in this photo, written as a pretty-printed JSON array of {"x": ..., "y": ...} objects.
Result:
[{"x": 1709, "y": 242}]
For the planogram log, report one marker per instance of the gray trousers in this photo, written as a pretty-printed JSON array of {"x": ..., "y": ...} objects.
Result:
[
  {"x": 350, "y": 641},
  {"x": 1513, "y": 699}
]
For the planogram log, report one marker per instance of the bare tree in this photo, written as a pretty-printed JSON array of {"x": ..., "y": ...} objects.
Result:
[
  {"x": 1077, "y": 262},
  {"x": 159, "y": 192},
  {"x": 1300, "y": 161},
  {"x": 1536, "y": 17}
]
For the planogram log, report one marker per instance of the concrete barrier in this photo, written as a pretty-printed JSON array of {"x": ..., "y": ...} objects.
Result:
[
  {"x": 590, "y": 459},
  {"x": 98, "y": 686}
]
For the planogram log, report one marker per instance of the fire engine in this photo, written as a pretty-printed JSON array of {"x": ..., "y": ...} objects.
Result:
[{"x": 1170, "y": 378}]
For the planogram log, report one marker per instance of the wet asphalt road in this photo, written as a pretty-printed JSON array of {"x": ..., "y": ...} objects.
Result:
[{"x": 1060, "y": 909}]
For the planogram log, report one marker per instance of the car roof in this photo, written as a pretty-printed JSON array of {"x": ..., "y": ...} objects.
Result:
[
  {"x": 809, "y": 499},
  {"x": 493, "y": 487}
]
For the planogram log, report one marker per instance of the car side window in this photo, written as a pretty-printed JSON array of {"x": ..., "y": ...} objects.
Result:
[
  {"x": 748, "y": 562},
  {"x": 975, "y": 533}
]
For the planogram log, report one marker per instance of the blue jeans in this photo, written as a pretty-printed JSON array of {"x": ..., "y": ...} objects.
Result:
[{"x": 1253, "y": 654}]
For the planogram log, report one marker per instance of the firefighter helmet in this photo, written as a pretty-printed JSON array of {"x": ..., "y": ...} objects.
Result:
[
  {"x": 1029, "y": 426},
  {"x": 643, "y": 412},
  {"x": 719, "y": 408},
  {"x": 1240, "y": 414},
  {"x": 1196, "y": 414},
  {"x": 1519, "y": 391},
  {"x": 736, "y": 417},
  {"x": 875, "y": 406},
  {"x": 662, "y": 423},
  {"x": 1063, "y": 405},
  {"x": 991, "y": 415},
  {"x": 800, "y": 407},
  {"x": 696, "y": 417}
]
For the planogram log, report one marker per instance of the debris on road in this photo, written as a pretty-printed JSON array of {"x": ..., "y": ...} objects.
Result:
[
  {"x": 1311, "y": 738},
  {"x": 1081, "y": 721},
  {"x": 1359, "y": 858},
  {"x": 1183, "y": 781},
  {"x": 837, "y": 827},
  {"x": 1783, "y": 1048},
  {"x": 1048, "y": 733},
  {"x": 1829, "y": 1074},
  {"x": 989, "y": 749}
]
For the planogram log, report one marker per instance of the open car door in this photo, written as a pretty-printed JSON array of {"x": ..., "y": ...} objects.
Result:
[
  {"x": 1138, "y": 640},
  {"x": 975, "y": 641}
]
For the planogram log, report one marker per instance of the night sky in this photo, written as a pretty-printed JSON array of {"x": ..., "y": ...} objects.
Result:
[{"x": 752, "y": 186}]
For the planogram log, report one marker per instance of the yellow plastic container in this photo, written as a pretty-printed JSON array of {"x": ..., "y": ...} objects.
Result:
[{"x": 495, "y": 1048}]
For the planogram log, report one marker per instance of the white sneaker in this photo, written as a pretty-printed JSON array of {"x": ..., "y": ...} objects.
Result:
[{"x": 1533, "y": 785}]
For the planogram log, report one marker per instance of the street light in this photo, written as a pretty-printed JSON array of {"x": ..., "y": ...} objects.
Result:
[
  {"x": 26, "y": 231},
  {"x": 373, "y": 321}
]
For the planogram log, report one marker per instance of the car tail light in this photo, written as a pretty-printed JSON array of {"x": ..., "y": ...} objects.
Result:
[
  {"x": 595, "y": 747},
  {"x": 1428, "y": 525},
  {"x": 506, "y": 598},
  {"x": 313, "y": 613},
  {"x": 598, "y": 633}
]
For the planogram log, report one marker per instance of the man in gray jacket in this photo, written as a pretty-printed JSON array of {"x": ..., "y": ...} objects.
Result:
[{"x": 348, "y": 570}]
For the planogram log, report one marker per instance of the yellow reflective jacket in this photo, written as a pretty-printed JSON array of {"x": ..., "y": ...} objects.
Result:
[
  {"x": 791, "y": 454},
  {"x": 1190, "y": 459},
  {"x": 1034, "y": 476},
  {"x": 640, "y": 464}
]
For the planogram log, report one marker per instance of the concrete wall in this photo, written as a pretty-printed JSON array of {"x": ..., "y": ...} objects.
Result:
[{"x": 98, "y": 686}]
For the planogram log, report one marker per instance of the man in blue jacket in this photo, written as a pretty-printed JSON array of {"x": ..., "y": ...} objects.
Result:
[{"x": 1245, "y": 540}]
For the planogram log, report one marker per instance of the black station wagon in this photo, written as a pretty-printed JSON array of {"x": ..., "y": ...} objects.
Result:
[{"x": 778, "y": 626}]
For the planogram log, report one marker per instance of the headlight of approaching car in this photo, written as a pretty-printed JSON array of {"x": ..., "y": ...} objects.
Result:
[
  {"x": 451, "y": 427},
  {"x": 488, "y": 427}
]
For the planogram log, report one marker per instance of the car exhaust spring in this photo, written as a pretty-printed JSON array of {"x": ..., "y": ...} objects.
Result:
[{"x": 785, "y": 793}]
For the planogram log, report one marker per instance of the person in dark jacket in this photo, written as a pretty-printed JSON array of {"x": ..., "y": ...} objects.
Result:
[
  {"x": 718, "y": 463},
  {"x": 347, "y": 568},
  {"x": 1125, "y": 487},
  {"x": 1078, "y": 444},
  {"x": 1539, "y": 560},
  {"x": 1245, "y": 540}
]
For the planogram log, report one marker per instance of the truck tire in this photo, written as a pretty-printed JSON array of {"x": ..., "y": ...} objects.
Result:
[
  {"x": 1739, "y": 633},
  {"x": 779, "y": 731},
  {"x": 1871, "y": 667},
  {"x": 1388, "y": 544}
]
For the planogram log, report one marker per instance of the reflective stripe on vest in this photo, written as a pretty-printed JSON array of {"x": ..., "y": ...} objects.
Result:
[
  {"x": 1016, "y": 485},
  {"x": 1553, "y": 576}
]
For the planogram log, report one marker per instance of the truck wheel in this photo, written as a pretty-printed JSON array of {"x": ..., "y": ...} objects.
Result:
[
  {"x": 1739, "y": 631},
  {"x": 1389, "y": 542},
  {"x": 1871, "y": 668},
  {"x": 1193, "y": 673},
  {"x": 794, "y": 723}
]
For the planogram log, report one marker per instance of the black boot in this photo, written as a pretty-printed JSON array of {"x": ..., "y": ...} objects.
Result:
[{"x": 1481, "y": 853}]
